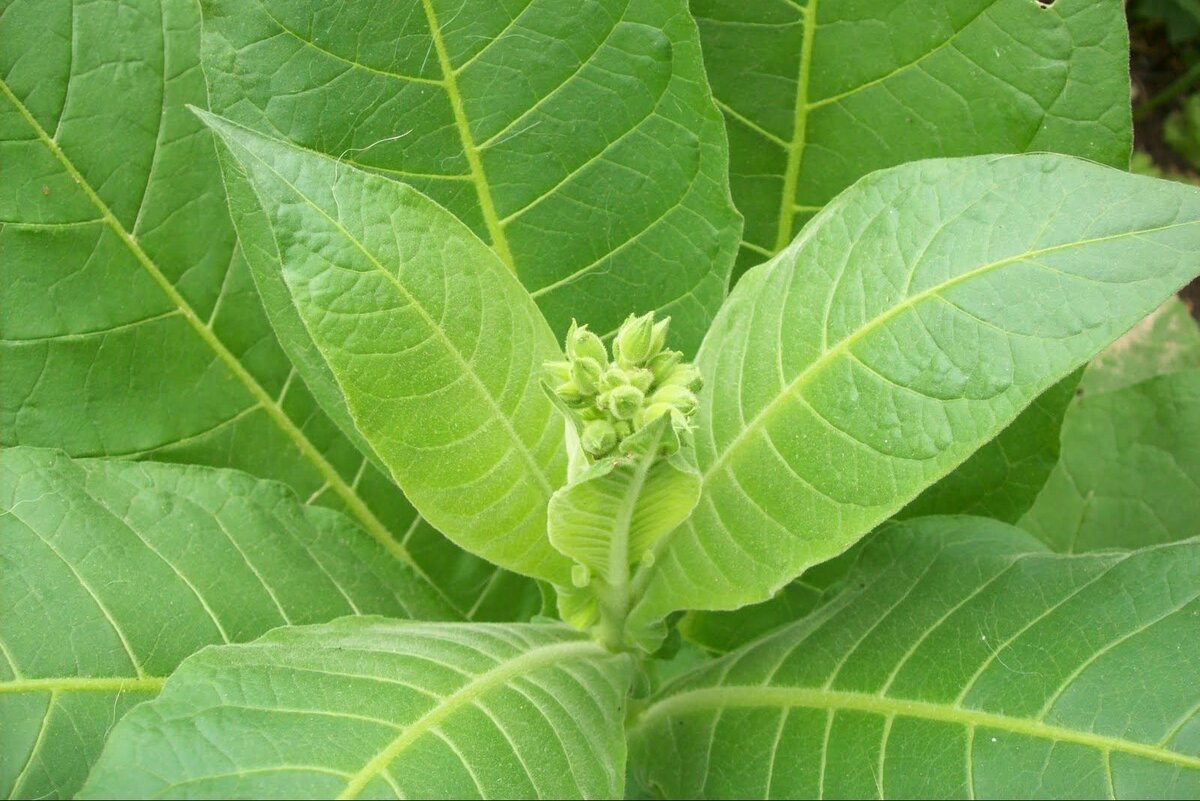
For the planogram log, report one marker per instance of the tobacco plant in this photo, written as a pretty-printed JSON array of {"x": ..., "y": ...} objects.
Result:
[{"x": 591, "y": 398}]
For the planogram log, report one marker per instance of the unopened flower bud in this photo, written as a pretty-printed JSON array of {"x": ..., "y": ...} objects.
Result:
[
  {"x": 623, "y": 402},
  {"x": 650, "y": 413},
  {"x": 585, "y": 372},
  {"x": 613, "y": 377},
  {"x": 680, "y": 397},
  {"x": 685, "y": 375},
  {"x": 583, "y": 344},
  {"x": 599, "y": 437},
  {"x": 623, "y": 429},
  {"x": 571, "y": 395},
  {"x": 662, "y": 364},
  {"x": 641, "y": 378},
  {"x": 634, "y": 345}
]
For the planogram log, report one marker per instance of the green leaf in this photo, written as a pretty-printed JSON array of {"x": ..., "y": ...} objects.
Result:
[
  {"x": 818, "y": 94},
  {"x": 1166, "y": 341},
  {"x": 116, "y": 571},
  {"x": 131, "y": 326},
  {"x": 609, "y": 517},
  {"x": 435, "y": 346},
  {"x": 380, "y": 709},
  {"x": 910, "y": 323},
  {"x": 1002, "y": 479},
  {"x": 1130, "y": 469},
  {"x": 578, "y": 138},
  {"x": 960, "y": 661}
]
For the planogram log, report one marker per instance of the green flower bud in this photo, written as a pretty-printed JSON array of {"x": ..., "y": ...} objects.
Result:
[
  {"x": 613, "y": 377},
  {"x": 571, "y": 395},
  {"x": 623, "y": 429},
  {"x": 585, "y": 372},
  {"x": 641, "y": 378},
  {"x": 593, "y": 413},
  {"x": 556, "y": 372},
  {"x": 662, "y": 364},
  {"x": 583, "y": 344},
  {"x": 685, "y": 375},
  {"x": 680, "y": 397},
  {"x": 634, "y": 345},
  {"x": 658, "y": 339},
  {"x": 649, "y": 414},
  {"x": 623, "y": 402},
  {"x": 599, "y": 437}
]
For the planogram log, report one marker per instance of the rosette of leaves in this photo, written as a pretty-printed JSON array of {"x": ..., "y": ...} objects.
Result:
[{"x": 277, "y": 430}]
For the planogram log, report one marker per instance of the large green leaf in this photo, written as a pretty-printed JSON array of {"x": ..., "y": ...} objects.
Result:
[
  {"x": 818, "y": 94},
  {"x": 380, "y": 709},
  {"x": 131, "y": 326},
  {"x": 1130, "y": 469},
  {"x": 578, "y": 138},
  {"x": 115, "y": 571},
  {"x": 435, "y": 346},
  {"x": 911, "y": 321},
  {"x": 1166, "y": 341},
  {"x": 960, "y": 661}
]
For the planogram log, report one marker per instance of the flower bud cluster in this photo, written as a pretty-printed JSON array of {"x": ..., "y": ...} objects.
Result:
[{"x": 617, "y": 397}]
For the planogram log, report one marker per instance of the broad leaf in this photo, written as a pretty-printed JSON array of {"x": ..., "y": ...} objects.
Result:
[
  {"x": 578, "y": 138},
  {"x": 433, "y": 343},
  {"x": 1130, "y": 469},
  {"x": 614, "y": 511},
  {"x": 1166, "y": 341},
  {"x": 818, "y": 94},
  {"x": 114, "y": 572},
  {"x": 131, "y": 326},
  {"x": 1002, "y": 479},
  {"x": 380, "y": 709},
  {"x": 910, "y": 323},
  {"x": 959, "y": 661}
]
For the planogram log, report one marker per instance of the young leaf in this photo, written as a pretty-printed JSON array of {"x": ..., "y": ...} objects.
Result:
[
  {"x": 130, "y": 323},
  {"x": 818, "y": 94},
  {"x": 380, "y": 709},
  {"x": 1130, "y": 469},
  {"x": 960, "y": 660},
  {"x": 116, "y": 571},
  {"x": 908, "y": 324},
  {"x": 434, "y": 345},
  {"x": 608, "y": 518},
  {"x": 1166, "y": 341},
  {"x": 578, "y": 138},
  {"x": 1002, "y": 479}
]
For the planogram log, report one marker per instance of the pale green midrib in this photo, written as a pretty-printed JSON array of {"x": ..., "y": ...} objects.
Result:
[
  {"x": 618, "y": 556},
  {"x": 467, "y": 694},
  {"x": 791, "y": 175},
  {"x": 149, "y": 684},
  {"x": 845, "y": 344},
  {"x": 839, "y": 700},
  {"x": 467, "y": 370},
  {"x": 353, "y": 502},
  {"x": 482, "y": 188}
]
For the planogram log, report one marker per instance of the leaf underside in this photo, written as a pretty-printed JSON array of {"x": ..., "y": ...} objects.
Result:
[{"x": 908, "y": 325}]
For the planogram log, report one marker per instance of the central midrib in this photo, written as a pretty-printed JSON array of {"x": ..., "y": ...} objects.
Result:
[
  {"x": 791, "y": 176},
  {"x": 842, "y": 700},
  {"x": 479, "y": 178}
]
